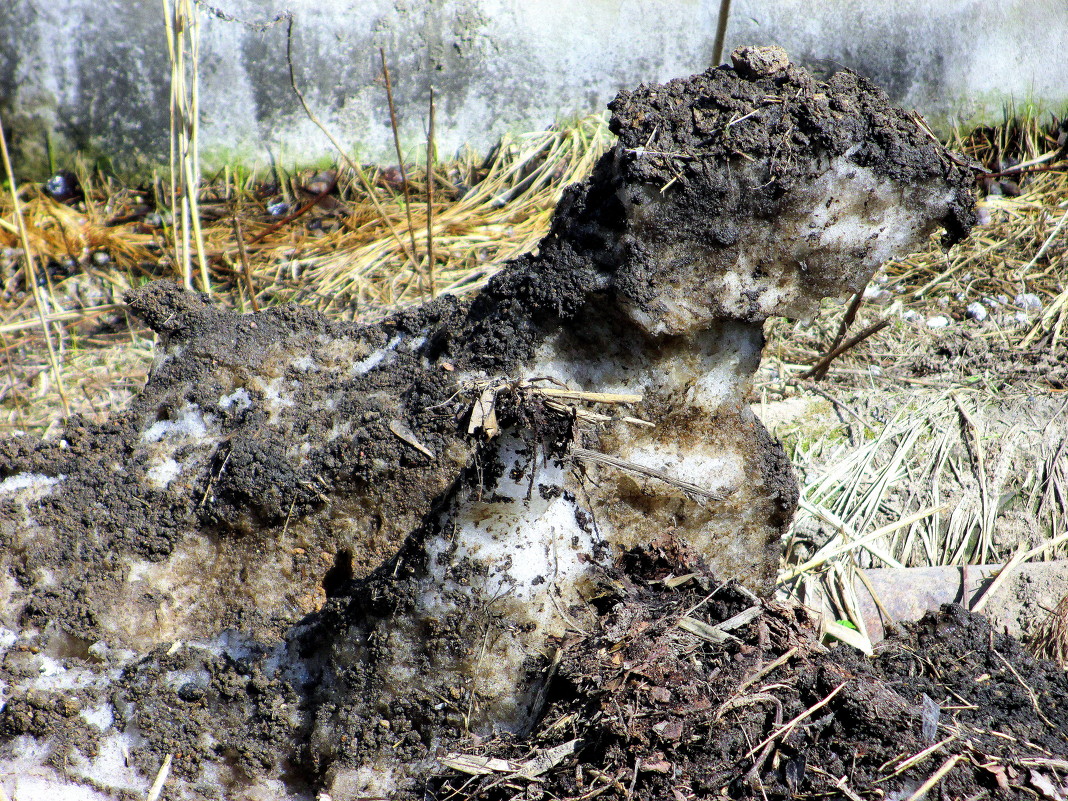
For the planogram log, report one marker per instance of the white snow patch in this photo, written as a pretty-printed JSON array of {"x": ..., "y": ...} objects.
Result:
[
  {"x": 713, "y": 471},
  {"x": 191, "y": 422},
  {"x": 101, "y": 716},
  {"x": 163, "y": 472},
  {"x": 109, "y": 768},
  {"x": 238, "y": 400},
  {"x": 305, "y": 364},
  {"x": 371, "y": 362},
  {"x": 32, "y": 481}
]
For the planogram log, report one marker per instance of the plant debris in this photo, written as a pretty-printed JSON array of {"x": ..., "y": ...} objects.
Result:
[{"x": 946, "y": 707}]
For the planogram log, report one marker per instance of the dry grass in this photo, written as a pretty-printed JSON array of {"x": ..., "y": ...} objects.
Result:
[
  {"x": 338, "y": 255},
  {"x": 1050, "y": 639}
]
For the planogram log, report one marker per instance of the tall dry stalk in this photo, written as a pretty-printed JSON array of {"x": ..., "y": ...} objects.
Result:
[
  {"x": 430, "y": 200},
  {"x": 31, "y": 272},
  {"x": 183, "y": 48}
]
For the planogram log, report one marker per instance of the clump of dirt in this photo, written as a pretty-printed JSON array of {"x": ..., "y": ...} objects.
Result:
[
  {"x": 278, "y": 464},
  {"x": 687, "y": 688}
]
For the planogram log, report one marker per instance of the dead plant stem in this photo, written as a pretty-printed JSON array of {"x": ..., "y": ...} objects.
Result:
[
  {"x": 430, "y": 199},
  {"x": 935, "y": 778},
  {"x": 246, "y": 269},
  {"x": 396, "y": 143},
  {"x": 31, "y": 273},
  {"x": 359, "y": 173}
]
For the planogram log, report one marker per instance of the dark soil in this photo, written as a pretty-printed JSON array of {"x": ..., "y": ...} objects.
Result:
[
  {"x": 652, "y": 711},
  {"x": 658, "y": 712}
]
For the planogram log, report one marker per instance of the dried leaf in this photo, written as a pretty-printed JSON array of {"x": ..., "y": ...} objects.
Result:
[
  {"x": 1042, "y": 783},
  {"x": 484, "y": 413},
  {"x": 740, "y": 619},
  {"x": 547, "y": 760}
]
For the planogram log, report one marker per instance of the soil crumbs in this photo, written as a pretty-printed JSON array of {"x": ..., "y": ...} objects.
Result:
[{"x": 693, "y": 689}]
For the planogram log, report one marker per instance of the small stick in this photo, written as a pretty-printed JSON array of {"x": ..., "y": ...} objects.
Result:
[
  {"x": 430, "y": 200},
  {"x": 820, "y": 370},
  {"x": 721, "y": 31},
  {"x": 397, "y": 145},
  {"x": 161, "y": 779},
  {"x": 337, "y": 145},
  {"x": 603, "y": 458},
  {"x": 847, "y": 319},
  {"x": 788, "y": 727},
  {"x": 11, "y": 379},
  {"x": 239, "y": 235},
  {"x": 1030, "y": 693},
  {"x": 298, "y": 213},
  {"x": 935, "y": 777},
  {"x": 764, "y": 671},
  {"x": 31, "y": 273}
]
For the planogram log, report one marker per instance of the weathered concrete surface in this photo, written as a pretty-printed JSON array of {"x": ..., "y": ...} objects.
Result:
[{"x": 94, "y": 75}]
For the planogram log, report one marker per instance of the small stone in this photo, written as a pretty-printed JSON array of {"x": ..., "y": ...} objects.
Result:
[
  {"x": 873, "y": 293},
  {"x": 279, "y": 209},
  {"x": 976, "y": 311},
  {"x": 759, "y": 62},
  {"x": 101, "y": 258},
  {"x": 63, "y": 187},
  {"x": 910, "y": 315},
  {"x": 1029, "y": 302},
  {"x": 938, "y": 321}
]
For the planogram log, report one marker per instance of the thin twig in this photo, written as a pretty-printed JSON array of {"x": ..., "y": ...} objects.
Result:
[
  {"x": 31, "y": 273},
  {"x": 372, "y": 196},
  {"x": 597, "y": 457},
  {"x": 1030, "y": 692},
  {"x": 397, "y": 145},
  {"x": 430, "y": 200},
  {"x": 820, "y": 369},
  {"x": 300, "y": 212},
  {"x": 721, "y": 31},
  {"x": 246, "y": 269},
  {"x": 161, "y": 779},
  {"x": 789, "y": 726},
  {"x": 935, "y": 777}
]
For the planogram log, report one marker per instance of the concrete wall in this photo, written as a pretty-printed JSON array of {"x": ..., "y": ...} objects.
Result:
[{"x": 94, "y": 75}]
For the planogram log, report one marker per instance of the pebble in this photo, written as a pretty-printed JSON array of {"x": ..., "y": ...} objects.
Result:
[
  {"x": 879, "y": 297},
  {"x": 976, "y": 311},
  {"x": 911, "y": 315},
  {"x": 938, "y": 321},
  {"x": 1029, "y": 302},
  {"x": 279, "y": 209},
  {"x": 63, "y": 187}
]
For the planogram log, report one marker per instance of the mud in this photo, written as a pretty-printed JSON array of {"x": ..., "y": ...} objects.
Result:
[{"x": 313, "y": 555}]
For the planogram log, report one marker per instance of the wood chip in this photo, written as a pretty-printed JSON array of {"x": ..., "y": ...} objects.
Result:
[
  {"x": 540, "y": 763},
  {"x": 405, "y": 435},
  {"x": 484, "y": 413}
]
